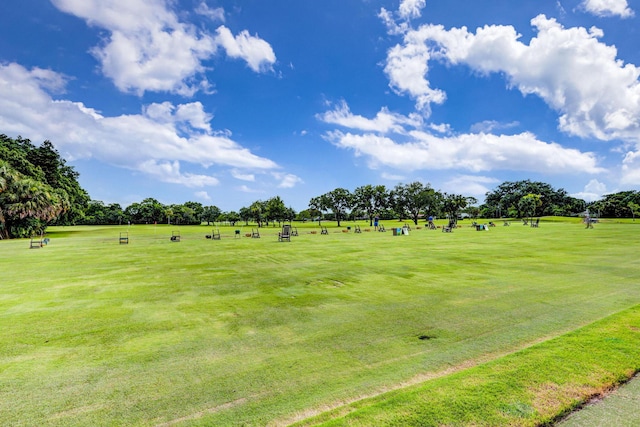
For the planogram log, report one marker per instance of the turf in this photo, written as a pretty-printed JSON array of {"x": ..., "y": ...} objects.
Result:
[{"x": 246, "y": 331}]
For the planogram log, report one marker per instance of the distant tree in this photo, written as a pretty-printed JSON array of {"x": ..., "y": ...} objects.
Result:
[
  {"x": 634, "y": 208},
  {"x": 529, "y": 204},
  {"x": 258, "y": 211},
  {"x": 412, "y": 200},
  {"x": 454, "y": 204},
  {"x": 198, "y": 211},
  {"x": 371, "y": 200},
  {"x": 275, "y": 210},
  {"x": 210, "y": 214},
  {"x": 317, "y": 207},
  {"x": 245, "y": 215},
  {"x": 233, "y": 217},
  {"x": 152, "y": 211},
  {"x": 338, "y": 201},
  {"x": 506, "y": 198}
]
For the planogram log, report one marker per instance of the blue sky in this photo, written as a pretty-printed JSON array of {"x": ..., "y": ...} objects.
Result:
[{"x": 226, "y": 103}]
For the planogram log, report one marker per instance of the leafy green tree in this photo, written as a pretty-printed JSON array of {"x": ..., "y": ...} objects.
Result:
[
  {"x": 245, "y": 215},
  {"x": 454, "y": 204},
  {"x": 258, "y": 211},
  {"x": 371, "y": 200},
  {"x": 634, "y": 208},
  {"x": 506, "y": 198},
  {"x": 338, "y": 201},
  {"x": 412, "y": 200},
  {"x": 275, "y": 210},
  {"x": 210, "y": 214},
  {"x": 530, "y": 204},
  {"x": 151, "y": 211},
  {"x": 198, "y": 211}
]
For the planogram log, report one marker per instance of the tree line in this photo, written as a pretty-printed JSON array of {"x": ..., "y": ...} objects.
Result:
[{"x": 38, "y": 188}]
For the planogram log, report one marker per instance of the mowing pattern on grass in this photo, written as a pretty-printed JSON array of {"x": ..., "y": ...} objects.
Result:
[{"x": 243, "y": 331}]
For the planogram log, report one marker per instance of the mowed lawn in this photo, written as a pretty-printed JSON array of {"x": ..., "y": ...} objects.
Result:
[{"x": 246, "y": 331}]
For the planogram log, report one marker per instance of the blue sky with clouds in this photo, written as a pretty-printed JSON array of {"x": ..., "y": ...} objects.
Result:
[{"x": 226, "y": 102}]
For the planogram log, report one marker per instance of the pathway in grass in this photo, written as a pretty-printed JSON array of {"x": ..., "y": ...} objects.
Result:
[{"x": 621, "y": 408}]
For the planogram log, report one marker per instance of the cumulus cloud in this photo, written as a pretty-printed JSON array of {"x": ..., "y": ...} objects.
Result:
[
  {"x": 157, "y": 142},
  {"x": 596, "y": 94},
  {"x": 149, "y": 49},
  {"x": 471, "y": 152},
  {"x": 202, "y": 195},
  {"x": 472, "y": 185},
  {"x": 287, "y": 180},
  {"x": 384, "y": 122},
  {"x": 607, "y": 8},
  {"x": 411, "y": 8},
  {"x": 256, "y": 52},
  {"x": 593, "y": 191}
]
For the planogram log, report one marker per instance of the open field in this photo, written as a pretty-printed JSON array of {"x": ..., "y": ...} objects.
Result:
[{"x": 257, "y": 332}]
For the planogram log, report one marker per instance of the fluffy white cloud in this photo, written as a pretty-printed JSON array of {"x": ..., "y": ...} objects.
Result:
[
  {"x": 287, "y": 180},
  {"x": 154, "y": 142},
  {"x": 384, "y": 122},
  {"x": 202, "y": 195},
  {"x": 608, "y": 8},
  {"x": 255, "y": 51},
  {"x": 472, "y": 152},
  {"x": 472, "y": 185},
  {"x": 149, "y": 49},
  {"x": 593, "y": 191},
  {"x": 411, "y": 8},
  {"x": 596, "y": 94}
]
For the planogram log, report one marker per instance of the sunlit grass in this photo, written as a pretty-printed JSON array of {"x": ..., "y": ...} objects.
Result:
[{"x": 246, "y": 331}]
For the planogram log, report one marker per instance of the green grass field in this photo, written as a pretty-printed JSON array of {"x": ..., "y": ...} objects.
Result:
[{"x": 343, "y": 329}]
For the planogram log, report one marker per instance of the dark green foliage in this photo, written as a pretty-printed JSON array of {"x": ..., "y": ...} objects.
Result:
[
  {"x": 38, "y": 188},
  {"x": 505, "y": 200}
]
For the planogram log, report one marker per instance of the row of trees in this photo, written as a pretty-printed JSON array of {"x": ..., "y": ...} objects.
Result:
[
  {"x": 410, "y": 201},
  {"x": 151, "y": 211},
  {"x": 37, "y": 188}
]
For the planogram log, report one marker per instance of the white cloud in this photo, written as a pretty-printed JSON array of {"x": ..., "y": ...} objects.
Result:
[
  {"x": 257, "y": 52},
  {"x": 384, "y": 122},
  {"x": 392, "y": 177},
  {"x": 154, "y": 142},
  {"x": 287, "y": 180},
  {"x": 166, "y": 171},
  {"x": 202, "y": 195},
  {"x": 243, "y": 176},
  {"x": 411, "y": 8},
  {"x": 596, "y": 94},
  {"x": 215, "y": 14},
  {"x": 593, "y": 191},
  {"x": 608, "y": 8},
  {"x": 407, "y": 67},
  {"x": 149, "y": 49},
  {"x": 472, "y": 152},
  {"x": 471, "y": 185}
]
